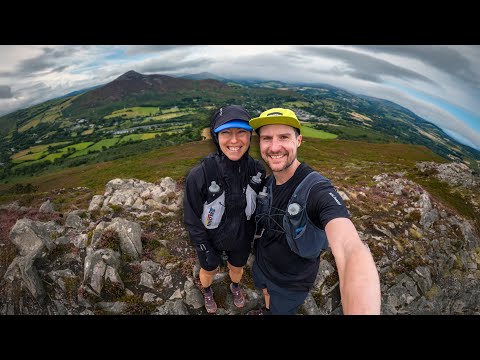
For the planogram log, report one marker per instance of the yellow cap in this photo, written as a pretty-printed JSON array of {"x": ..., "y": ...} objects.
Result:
[{"x": 276, "y": 116}]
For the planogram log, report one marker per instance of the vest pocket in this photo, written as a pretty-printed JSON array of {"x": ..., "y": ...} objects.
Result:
[
  {"x": 213, "y": 212},
  {"x": 251, "y": 197}
]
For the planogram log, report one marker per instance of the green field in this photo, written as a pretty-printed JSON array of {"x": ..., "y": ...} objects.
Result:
[
  {"x": 78, "y": 146},
  {"x": 133, "y": 112},
  {"x": 138, "y": 137},
  {"x": 96, "y": 147},
  {"x": 29, "y": 157},
  {"x": 35, "y": 149},
  {"x": 307, "y": 131},
  {"x": 167, "y": 116}
]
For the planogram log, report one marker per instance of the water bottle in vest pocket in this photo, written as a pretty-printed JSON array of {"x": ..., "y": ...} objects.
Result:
[
  {"x": 251, "y": 197},
  {"x": 302, "y": 235},
  {"x": 213, "y": 212}
]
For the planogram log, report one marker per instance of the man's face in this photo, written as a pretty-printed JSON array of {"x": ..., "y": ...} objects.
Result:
[
  {"x": 278, "y": 146},
  {"x": 234, "y": 142}
]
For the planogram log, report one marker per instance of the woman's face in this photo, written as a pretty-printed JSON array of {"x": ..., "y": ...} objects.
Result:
[{"x": 234, "y": 142}]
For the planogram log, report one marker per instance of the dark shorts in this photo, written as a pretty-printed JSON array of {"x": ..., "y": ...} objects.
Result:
[
  {"x": 237, "y": 258},
  {"x": 282, "y": 301}
]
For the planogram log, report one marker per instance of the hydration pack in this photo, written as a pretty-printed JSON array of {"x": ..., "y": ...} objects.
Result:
[
  {"x": 217, "y": 202},
  {"x": 303, "y": 236}
]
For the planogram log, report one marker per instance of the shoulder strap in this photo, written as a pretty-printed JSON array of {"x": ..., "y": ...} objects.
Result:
[
  {"x": 210, "y": 170},
  {"x": 303, "y": 190},
  {"x": 269, "y": 183}
]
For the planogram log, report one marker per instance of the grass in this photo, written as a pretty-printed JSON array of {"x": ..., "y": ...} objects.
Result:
[
  {"x": 97, "y": 146},
  {"x": 133, "y": 112},
  {"x": 138, "y": 137},
  {"x": 167, "y": 116},
  {"x": 35, "y": 149},
  {"x": 307, "y": 131},
  {"x": 345, "y": 158},
  {"x": 152, "y": 166}
]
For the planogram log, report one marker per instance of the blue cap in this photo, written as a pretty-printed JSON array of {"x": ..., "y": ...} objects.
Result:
[{"x": 240, "y": 124}]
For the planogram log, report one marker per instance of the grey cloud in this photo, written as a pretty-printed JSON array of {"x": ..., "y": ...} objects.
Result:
[
  {"x": 141, "y": 49},
  {"x": 172, "y": 66},
  {"x": 5, "y": 92},
  {"x": 445, "y": 58},
  {"x": 47, "y": 61},
  {"x": 363, "y": 66}
]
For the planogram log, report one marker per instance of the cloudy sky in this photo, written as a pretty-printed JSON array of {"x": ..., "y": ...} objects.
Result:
[{"x": 440, "y": 83}]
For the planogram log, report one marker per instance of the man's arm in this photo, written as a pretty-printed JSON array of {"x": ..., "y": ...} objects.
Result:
[{"x": 359, "y": 280}]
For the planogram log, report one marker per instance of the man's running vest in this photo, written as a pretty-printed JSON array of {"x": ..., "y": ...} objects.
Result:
[{"x": 303, "y": 236}]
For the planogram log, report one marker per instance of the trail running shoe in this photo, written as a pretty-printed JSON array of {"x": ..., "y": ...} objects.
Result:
[
  {"x": 238, "y": 298},
  {"x": 210, "y": 303}
]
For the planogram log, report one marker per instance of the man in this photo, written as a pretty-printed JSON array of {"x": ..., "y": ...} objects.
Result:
[{"x": 284, "y": 276}]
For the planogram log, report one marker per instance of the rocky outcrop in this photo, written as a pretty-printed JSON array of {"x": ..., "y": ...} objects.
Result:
[
  {"x": 455, "y": 173},
  {"x": 129, "y": 253}
]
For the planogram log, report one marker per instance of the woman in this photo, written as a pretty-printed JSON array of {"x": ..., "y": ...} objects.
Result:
[{"x": 219, "y": 202}]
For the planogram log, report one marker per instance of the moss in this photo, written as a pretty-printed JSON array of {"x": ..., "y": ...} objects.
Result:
[
  {"x": 109, "y": 240},
  {"x": 116, "y": 208},
  {"x": 71, "y": 288},
  {"x": 58, "y": 200},
  {"x": 477, "y": 255},
  {"x": 399, "y": 245},
  {"x": 377, "y": 251},
  {"x": 112, "y": 291},
  {"x": 58, "y": 251},
  {"x": 89, "y": 237},
  {"x": 415, "y": 233},
  {"x": 136, "y": 305},
  {"x": 162, "y": 255},
  {"x": 414, "y": 216},
  {"x": 419, "y": 249},
  {"x": 331, "y": 280},
  {"x": 95, "y": 214},
  {"x": 433, "y": 292},
  {"x": 410, "y": 264}
]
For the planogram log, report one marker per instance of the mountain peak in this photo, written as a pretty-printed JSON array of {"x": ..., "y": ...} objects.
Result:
[{"x": 130, "y": 75}]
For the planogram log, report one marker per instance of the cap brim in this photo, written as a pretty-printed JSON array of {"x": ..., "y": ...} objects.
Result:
[
  {"x": 234, "y": 124},
  {"x": 273, "y": 120}
]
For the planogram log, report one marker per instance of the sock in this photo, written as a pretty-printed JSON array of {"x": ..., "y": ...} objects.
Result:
[
  {"x": 208, "y": 289},
  {"x": 235, "y": 285}
]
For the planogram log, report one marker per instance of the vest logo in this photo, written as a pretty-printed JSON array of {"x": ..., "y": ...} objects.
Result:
[
  {"x": 334, "y": 198},
  {"x": 210, "y": 214}
]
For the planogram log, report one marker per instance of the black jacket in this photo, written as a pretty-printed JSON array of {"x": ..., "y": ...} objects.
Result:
[{"x": 234, "y": 231}]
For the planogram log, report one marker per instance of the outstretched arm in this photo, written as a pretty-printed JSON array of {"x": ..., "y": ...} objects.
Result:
[{"x": 359, "y": 280}]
